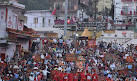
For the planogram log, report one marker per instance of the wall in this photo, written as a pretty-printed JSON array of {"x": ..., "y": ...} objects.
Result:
[
  {"x": 3, "y": 33},
  {"x": 25, "y": 45},
  {"x": 121, "y": 39},
  {"x": 40, "y": 15},
  {"x": 11, "y": 49}
]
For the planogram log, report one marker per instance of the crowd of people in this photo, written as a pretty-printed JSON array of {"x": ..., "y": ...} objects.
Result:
[{"x": 104, "y": 62}]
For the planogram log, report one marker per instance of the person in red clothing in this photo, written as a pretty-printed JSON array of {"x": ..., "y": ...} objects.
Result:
[
  {"x": 94, "y": 77},
  {"x": 65, "y": 76},
  {"x": 55, "y": 77},
  {"x": 70, "y": 77},
  {"x": 75, "y": 76},
  {"x": 89, "y": 76},
  {"x": 108, "y": 79},
  {"x": 83, "y": 77},
  {"x": 61, "y": 76}
]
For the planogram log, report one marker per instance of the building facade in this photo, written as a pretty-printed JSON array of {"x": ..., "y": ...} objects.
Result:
[
  {"x": 125, "y": 15},
  {"x": 42, "y": 21},
  {"x": 13, "y": 35}
]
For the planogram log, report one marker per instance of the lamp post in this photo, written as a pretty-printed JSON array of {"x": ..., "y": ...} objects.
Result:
[{"x": 66, "y": 14}]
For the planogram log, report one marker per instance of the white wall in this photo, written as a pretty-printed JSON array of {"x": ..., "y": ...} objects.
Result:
[
  {"x": 121, "y": 39},
  {"x": 3, "y": 33},
  {"x": 25, "y": 45},
  {"x": 40, "y": 14},
  {"x": 10, "y": 51}
]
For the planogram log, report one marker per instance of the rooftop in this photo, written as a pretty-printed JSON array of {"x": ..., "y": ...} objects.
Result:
[{"x": 12, "y": 3}]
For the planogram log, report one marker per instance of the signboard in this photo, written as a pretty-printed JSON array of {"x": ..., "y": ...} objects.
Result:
[
  {"x": 91, "y": 43},
  {"x": 70, "y": 57},
  {"x": 109, "y": 31}
]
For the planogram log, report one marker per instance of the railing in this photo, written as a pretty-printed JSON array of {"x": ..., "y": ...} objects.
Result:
[
  {"x": 38, "y": 25},
  {"x": 92, "y": 24},
  {"x": 124, "y": 13},
  {"x": 61, "y": 22},
  {"x": 126, "y": 0}
]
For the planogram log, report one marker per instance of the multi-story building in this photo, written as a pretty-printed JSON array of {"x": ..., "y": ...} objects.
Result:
[
  {"x": 13, "y": 34},
  {"x": 42, "y": 21},
  {"x": 125, "y": 15}
]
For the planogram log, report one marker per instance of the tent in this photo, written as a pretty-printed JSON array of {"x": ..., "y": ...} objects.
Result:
[{"x": 86, "y": 33}]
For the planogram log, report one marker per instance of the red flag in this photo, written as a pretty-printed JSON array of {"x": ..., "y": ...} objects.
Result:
[
  {"x": 53, "y": 13},
  {"x": 74, "y": 19}
]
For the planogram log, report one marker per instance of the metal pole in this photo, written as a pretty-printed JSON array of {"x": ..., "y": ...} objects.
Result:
[
  {"x": 95, "y": 11},
  {"x": 65, "y": 21}
]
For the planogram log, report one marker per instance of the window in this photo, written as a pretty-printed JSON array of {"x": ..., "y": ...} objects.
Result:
[
  {"x": 43, "y": 22},
  {"x": 35, "y": 20},
  {"x": 125, "y": 10},
  {"x": 136, "y": 10},
  {"x": 49, "y": 21}
]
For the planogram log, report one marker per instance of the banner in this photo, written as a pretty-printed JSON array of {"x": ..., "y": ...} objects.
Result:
[{"x": 91, "y": 43}]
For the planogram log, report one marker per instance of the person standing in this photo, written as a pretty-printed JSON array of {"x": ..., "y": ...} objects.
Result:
[
  {"x": 75, "y": 76},
  {"x": 55, "y": 77},
  {"x": 70, "y": 76},
  {"x": 94, "y": 77},
  {"x": 65, "y": 76},
  {"x": 61, "y": 76},
  {"x": 83, "y": 77},
  {"x": 89, "y": 76}
]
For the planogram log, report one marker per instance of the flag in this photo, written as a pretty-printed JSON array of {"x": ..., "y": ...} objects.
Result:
[
  {"x": 53, "y": 13},
  {"x": 74, "y": 19}
]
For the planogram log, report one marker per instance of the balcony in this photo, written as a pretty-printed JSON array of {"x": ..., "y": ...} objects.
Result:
[
  {"x": 126, "y": 0},
  {"x": 61, "y": 22},
  {"x": 124, "y": 13}
]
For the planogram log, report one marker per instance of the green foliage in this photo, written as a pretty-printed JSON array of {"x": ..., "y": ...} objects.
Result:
[{"x": 36, "y": 4}]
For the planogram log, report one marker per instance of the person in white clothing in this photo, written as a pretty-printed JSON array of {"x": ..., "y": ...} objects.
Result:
[
  {"x": 31, "y": 77},
  {"x": 45, "y": 73}
]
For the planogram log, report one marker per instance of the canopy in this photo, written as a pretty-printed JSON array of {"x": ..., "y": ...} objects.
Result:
[{"x": 86, "y": 33}]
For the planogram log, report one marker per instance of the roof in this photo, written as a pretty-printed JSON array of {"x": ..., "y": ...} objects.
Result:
[
  {"x": 32, "y": 11},
  {"x": 46, "y": 29},
  {"x": 86, "y": 33},
  {"x": 12, "y": 3}
]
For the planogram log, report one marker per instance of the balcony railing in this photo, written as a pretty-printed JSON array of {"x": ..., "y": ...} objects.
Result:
[
  {"x": 135, "y": 12},
  {"x": 124, "y": 13},
  {"x": 126, "y": 0},
  {"x": 61, "y": 22}
]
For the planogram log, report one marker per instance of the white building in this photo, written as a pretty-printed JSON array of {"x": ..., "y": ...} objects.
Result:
[
  {"x": 117, "y": 36},
  {"x": 125, "y": 13},
  {"x": 11, "y": 26},
  {"x": 41, "y": 21}
]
